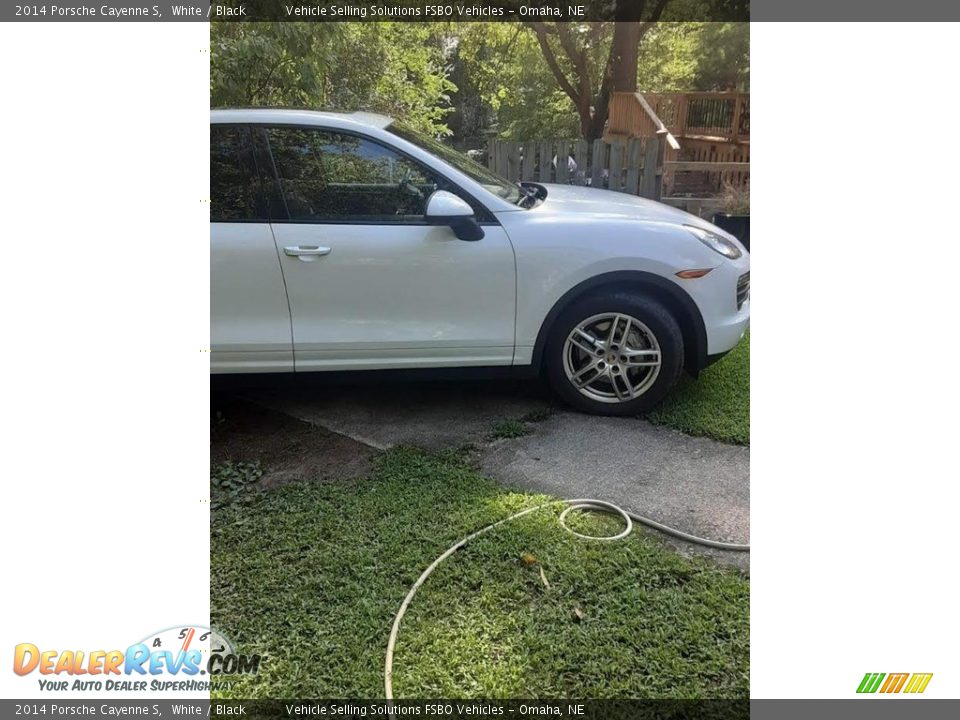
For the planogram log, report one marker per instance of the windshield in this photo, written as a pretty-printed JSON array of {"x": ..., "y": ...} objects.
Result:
[{"x": 489, "y": 179}]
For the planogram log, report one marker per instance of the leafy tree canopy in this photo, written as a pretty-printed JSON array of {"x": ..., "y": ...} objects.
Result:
[
  {"x": 398, "y": 69},
  {"x": 471, "y": 80}
]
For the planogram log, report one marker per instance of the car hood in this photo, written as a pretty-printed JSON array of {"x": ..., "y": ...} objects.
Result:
[{"x": 607, "y": 204}]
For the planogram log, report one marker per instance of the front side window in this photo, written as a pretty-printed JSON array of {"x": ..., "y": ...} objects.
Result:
[
  {"x": 234, "y": 196},
  {"x": 329, "y": 176},
  {"x": 474, "y": 170}
]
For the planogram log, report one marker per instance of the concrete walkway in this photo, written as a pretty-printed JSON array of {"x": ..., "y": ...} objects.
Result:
[
  {"x": 427, "y": 415},
  {"x": 694, "y": 484}
]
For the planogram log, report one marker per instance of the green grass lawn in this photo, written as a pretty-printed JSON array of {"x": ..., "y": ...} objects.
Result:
[
  {"x": 717, "y": 404},
  {"x": 311, "y": 574}
]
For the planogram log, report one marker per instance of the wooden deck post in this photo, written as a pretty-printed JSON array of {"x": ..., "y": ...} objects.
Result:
[
  {"x": 651, "y": 186},
  {"x": 735, "y": 130},
  {"x": 682, "y": 115}
]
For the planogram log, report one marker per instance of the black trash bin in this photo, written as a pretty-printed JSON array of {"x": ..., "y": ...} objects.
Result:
[{"x": 736, "y": 225}]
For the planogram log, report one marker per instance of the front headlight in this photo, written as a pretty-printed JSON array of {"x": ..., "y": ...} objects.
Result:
[{"x": 715, "y": 242}]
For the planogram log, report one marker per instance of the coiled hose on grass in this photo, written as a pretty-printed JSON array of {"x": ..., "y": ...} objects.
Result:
[{"x": 572, "y": 506}]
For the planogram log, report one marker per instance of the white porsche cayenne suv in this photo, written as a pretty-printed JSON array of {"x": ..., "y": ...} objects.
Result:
[{"x": 349, "y": 242}]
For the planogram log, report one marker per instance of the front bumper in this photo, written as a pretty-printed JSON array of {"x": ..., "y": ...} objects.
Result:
[
  {"x": 723, "y": 336},
  {"x": 725, "y": 313}
]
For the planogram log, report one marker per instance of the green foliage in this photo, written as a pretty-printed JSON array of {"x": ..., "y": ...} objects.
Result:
[
  {"x": 510, "y": 428},
  {"x": 537, "y": 415},
  {"x": 724, "y": 57},
  {"x": 269, "y": 63},
  {"x": 398, "y": 69},
  {"x": 393, "y": 68},
  {"x": 717, "y": 404},
  {"x": 668, "y": 58},
  {"x": 507, "y": 89},
  {"x": 694, "y": 56},
  {"x": 311, "y": 574},
  {"x": 504, "y": 88},
  {"x": 476, "y": 79},
  {"x": 230, "y": 482}
]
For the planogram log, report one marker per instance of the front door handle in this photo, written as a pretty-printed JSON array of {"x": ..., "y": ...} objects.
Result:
[{"x": 305, "y": 250}]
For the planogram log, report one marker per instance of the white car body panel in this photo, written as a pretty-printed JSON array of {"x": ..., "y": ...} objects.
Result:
[
  {"x": 415, "y": 296},
  {"x": 579, "y": 233},
  {"x": 249, "y": 315},
  {"x": 399, "y": 296}
]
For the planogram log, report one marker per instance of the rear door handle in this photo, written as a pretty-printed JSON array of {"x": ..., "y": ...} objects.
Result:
[{"x": 305, "y": 250}]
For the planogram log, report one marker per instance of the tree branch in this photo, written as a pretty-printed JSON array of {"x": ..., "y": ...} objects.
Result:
[
  {"x": 570, "y": 47},
  {"x": 579, "y": 61},
  {"x": 654, "y": 16},
  {"x": 541, "y": 32}
]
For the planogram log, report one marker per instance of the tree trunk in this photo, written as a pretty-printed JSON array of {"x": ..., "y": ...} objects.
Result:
[
  {"x": 624, "y": 56},
  {"x": 586, "y": 119},
  {"x": 620, "y": 75},
  {"x": 620, "y": 72}
]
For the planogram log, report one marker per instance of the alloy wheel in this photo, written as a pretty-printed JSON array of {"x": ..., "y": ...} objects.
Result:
[{"x": 611, "y": 358}]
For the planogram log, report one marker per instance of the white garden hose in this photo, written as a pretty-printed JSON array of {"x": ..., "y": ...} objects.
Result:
[{"x": 572, "y": 506}]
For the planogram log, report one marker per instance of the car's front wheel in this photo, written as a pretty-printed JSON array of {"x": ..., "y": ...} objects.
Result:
[{"x": 614, "y": 354}]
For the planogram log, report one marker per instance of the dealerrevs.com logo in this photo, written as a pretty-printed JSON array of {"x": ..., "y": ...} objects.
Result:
[
  {"x": 910, "y": 683},
  {"x": 182, "y": 658}
]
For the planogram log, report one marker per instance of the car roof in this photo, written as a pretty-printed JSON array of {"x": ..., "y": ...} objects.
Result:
[{"x": 296, "y": 116}]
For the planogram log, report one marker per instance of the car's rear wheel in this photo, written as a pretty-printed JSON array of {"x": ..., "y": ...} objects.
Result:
[{"x": 614, "y": 354}]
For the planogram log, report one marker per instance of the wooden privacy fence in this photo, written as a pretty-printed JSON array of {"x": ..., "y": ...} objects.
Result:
[
  {"x": 633, "y": 166},
  {"x": 623, "y": 166}
]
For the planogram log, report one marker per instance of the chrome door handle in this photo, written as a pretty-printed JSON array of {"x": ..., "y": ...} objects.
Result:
[{"x": 305, "y": 250}]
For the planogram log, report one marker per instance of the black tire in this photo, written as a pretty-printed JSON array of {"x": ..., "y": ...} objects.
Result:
[{"x": 645, "y": 309}]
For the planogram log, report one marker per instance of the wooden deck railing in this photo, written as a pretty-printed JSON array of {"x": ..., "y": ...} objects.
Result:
[{"x": 724, "y": 116}]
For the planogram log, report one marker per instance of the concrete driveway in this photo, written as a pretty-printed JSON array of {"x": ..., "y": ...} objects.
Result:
[{"x": 694, "y": 484}]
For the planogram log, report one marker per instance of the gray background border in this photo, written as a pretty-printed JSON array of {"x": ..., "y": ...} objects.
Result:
[{"x": 760, "y": 10}]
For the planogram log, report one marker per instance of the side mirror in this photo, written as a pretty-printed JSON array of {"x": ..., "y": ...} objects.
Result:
[{"x": 445, "y": 208}]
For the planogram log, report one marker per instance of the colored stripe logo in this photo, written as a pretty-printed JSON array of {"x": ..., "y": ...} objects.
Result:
[{"x": 894, "y": 682}]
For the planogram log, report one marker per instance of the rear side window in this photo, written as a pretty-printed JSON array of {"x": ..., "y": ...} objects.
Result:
[{"x": 234, "y": 183}]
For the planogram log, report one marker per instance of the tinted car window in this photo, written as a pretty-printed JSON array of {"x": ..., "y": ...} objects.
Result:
[
  {"x": 327, "y": 176},
  {"x": 233, "y": 177},
  {"x": 489, "y": 179}
]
